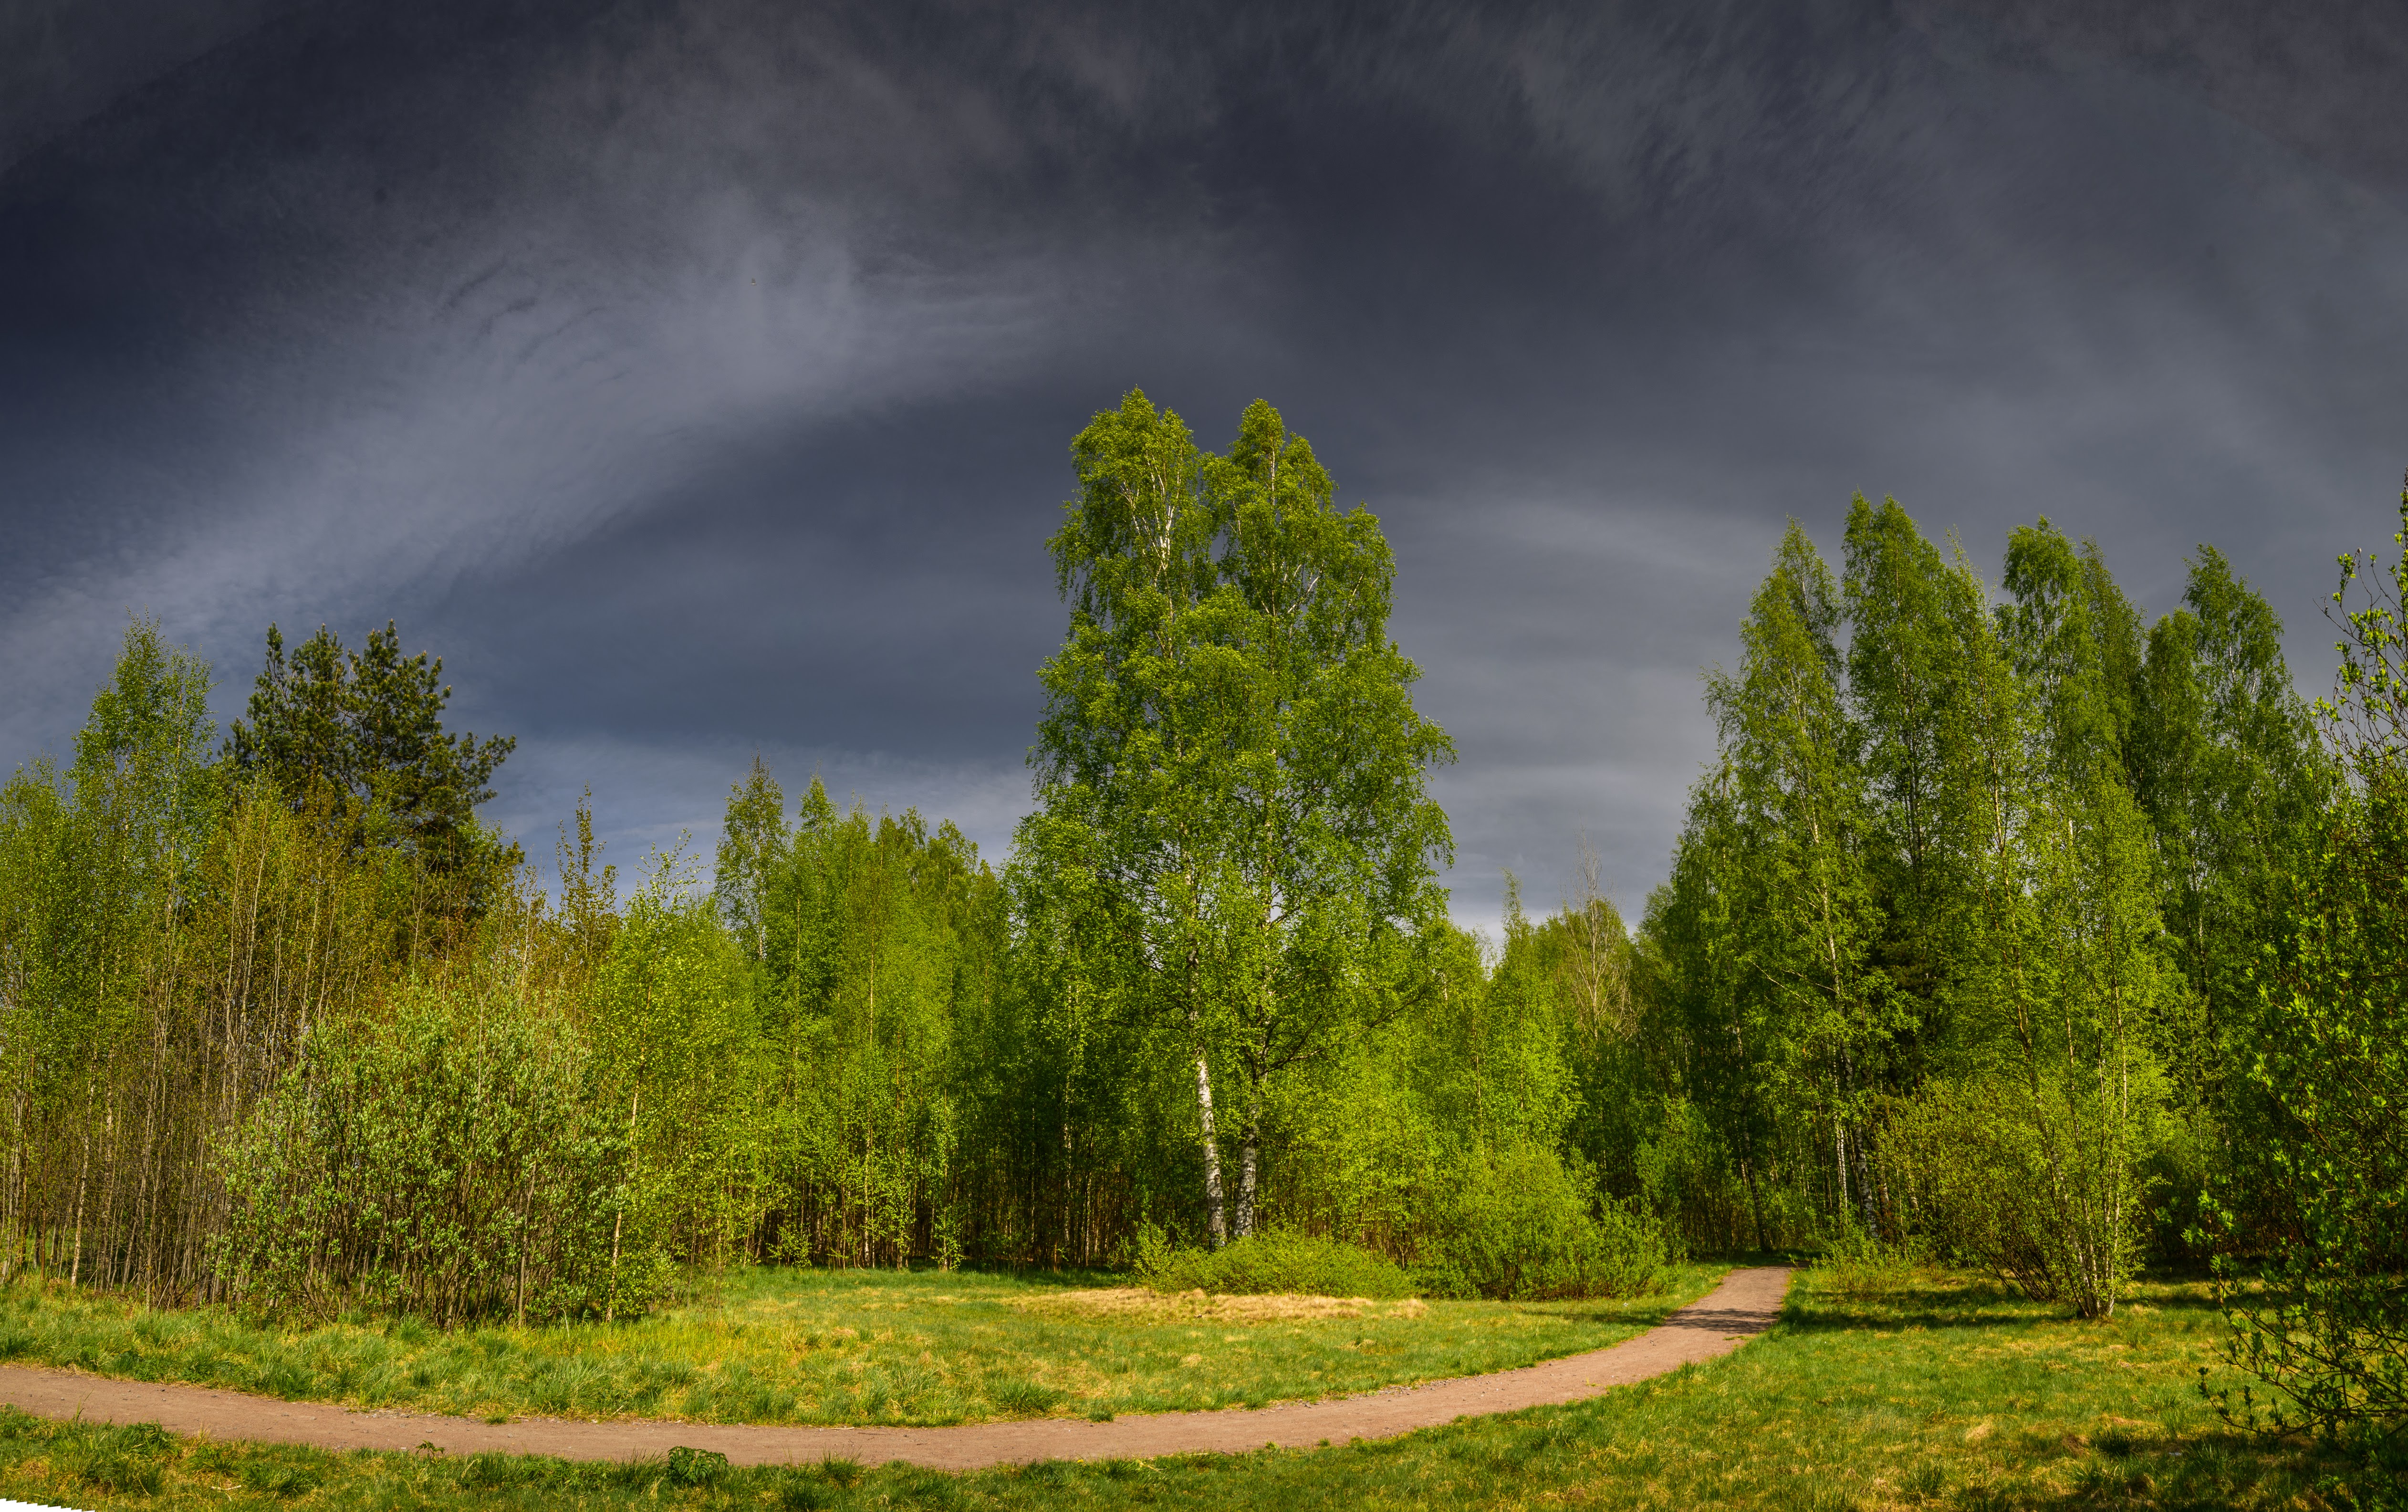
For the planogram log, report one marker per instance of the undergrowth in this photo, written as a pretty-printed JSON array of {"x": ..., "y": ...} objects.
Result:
[{"x": 1277, "y": 1263}]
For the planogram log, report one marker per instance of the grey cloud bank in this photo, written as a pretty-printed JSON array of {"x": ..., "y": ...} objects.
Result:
[{"x": 696, "y": 379}]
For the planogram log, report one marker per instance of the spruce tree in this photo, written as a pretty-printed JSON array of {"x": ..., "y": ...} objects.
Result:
[{"x": 361, "y": 734}]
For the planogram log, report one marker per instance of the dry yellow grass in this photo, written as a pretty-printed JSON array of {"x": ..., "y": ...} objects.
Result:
[{"x": 1138, "y": 1304}]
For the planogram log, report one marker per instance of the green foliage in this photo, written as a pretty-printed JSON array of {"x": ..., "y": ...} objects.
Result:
[
  {"x": 1987, "y": 1160},
  {"x": 1794, "y": 787},
  {"x": 1856, "y": 1263},
  {"x": 1230, "y": 767},
  {"x": 1517, "y": 1223},
  {"x": 696, "y": 1468},
  {"x": 880, "y": 985},
  {"x": 366, "y": 728},
  {"x": 2328, "y": 1328},
  {"x": 115, "y": 894},
  {"x": 1274, "y": 1262},
  {"x": 449, "y": 1161},
  {"x": 676, "y": 1042},
  {"x": 2071, "y": 964},
  {"x": 1685, "y": 1175},
  {"x": 1913, "y": 975}
]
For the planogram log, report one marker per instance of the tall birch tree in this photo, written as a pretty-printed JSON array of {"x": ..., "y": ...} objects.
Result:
[
  {"x": 1230, "y": 769},
  {"x": 1797, "y": 798},
  {"x": 2077, "y": 1026}
]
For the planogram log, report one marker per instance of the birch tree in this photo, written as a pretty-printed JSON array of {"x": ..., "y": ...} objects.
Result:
[
  {"x": 1230, "y": 769},
  {"x": 1797, "y": 801},
  {"x": 2076, "y": 1021}
]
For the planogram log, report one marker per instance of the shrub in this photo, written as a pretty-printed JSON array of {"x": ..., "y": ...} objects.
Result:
[
  {"x": 1276, "y": 1262},
  {"x": 2039, "y": 1182},
  {"x": 449, "y": 1162},
  {"x": 1861, "y": 1264},
  {"x": 1517, "y": 1224}
]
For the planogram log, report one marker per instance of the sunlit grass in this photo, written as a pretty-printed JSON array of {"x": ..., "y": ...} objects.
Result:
[
  {"x": 842, "y": 1346},
  {"x": 1941, "y": 1394}
]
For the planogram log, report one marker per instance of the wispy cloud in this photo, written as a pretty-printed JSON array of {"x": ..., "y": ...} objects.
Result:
[{"x": 695, "y": 376}]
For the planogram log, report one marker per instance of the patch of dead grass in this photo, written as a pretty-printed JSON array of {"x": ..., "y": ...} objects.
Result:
[{"x": 1136, "y": 1304}]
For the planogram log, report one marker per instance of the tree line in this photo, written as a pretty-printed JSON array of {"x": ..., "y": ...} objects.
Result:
[
  {"x": 2012, "y": 928},
  {"x": 2006, "y": 925}
]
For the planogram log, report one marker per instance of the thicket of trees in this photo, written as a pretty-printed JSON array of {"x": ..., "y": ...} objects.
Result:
[
  {"x": 2012, "y": 928},
  {"x": 1964, "y": 931},
  {"x": 2005, "y": 924}
]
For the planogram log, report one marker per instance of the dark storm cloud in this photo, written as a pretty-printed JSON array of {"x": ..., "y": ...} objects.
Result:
[{"x": 696, "y": 377}]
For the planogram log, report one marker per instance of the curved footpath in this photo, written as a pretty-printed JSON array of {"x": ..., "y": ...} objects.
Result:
[{"x": 1745, "y": 1305}]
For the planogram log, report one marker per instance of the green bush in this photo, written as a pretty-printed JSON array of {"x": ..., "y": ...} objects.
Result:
[
  {"x": 450, "y": 1162},
  {"x": 1861, "y": 1264},
  {"x": 1274, "y": 1262},
  {"x": 1512, "y": 1224},
  {"x": 2037, "y": 1181},
  {"x": 1517, "y": 1224}
]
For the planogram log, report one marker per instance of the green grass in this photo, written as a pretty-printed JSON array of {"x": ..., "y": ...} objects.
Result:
[
  {"x": 842, "y": 1346},
  {"x": 1943, "y": 1393}
]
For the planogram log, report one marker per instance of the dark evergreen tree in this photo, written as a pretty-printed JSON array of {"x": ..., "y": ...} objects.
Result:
[{"x": 361, "y": 735}]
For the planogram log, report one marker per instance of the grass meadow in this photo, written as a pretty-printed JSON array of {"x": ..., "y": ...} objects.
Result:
[
  {"x": 788, "y": 1346},
  {"x": 1915, "y": 1390}
]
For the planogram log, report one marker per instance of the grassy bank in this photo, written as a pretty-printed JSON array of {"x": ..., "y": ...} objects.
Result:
[
  {"x": 844, "y": 1346},
  {"x": 1941, "y": 1395}
]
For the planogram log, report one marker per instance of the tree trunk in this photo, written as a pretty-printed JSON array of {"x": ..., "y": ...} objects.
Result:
[
  {"x": 83, "y": 1175},
  {"x": 1211, "y": 1154},
  {"x": 1250, "y": 1149},
  {"x": 1756, "y": 1201}
]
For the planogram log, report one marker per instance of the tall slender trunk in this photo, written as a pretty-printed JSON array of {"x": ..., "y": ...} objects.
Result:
[
  {"x": 83, "y": 1176},
  {"x": 527, "y": 1241},
  {"x": 1755, "y": 1200},
  {"x": 1840, "y": 1162},
  {"x": 14, "y": 1194},
  {"x": 1211, "y": 1154},
  {"x": 1249, "y": 1151}
]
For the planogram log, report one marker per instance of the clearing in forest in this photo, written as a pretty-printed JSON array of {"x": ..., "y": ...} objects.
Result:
[
  {"x": 1900, "y": 1389},
  {"x": 786, "y": 1345}
]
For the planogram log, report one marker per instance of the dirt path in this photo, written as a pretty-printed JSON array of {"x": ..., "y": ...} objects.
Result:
[{"x": 1744, "y": 1305}]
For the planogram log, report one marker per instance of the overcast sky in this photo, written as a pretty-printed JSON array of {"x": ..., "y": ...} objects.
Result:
[{"x": 696, "y": 379}]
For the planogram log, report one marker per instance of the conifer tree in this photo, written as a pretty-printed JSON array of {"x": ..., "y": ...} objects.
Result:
[{"x": 363, "y": 731}]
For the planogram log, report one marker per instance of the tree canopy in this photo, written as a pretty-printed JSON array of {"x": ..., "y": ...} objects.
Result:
[
  {"x": 1230, "y": 769},
  {"x": 362, "y": 732}
]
